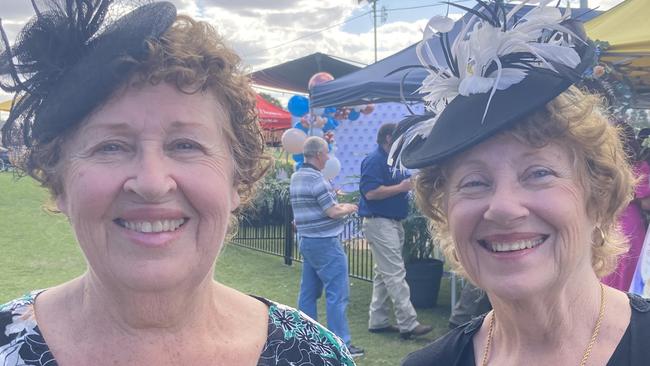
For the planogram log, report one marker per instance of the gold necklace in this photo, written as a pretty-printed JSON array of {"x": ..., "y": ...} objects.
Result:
[{"x": 585, "y": 356}]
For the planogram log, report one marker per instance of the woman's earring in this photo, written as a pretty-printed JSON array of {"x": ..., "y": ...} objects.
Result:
[{"x": 600, "y": 237}]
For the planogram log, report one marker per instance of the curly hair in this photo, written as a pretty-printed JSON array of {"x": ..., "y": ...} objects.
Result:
[
  {"x": 574, "y": 119},
  {"x": 194, "y": 58}
]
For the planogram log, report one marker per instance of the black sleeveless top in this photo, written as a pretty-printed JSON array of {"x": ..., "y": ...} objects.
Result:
[{"x": 456, "y": 347}]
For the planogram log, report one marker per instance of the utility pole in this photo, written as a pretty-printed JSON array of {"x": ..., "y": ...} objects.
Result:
[
  {"x": 374, "y": 18},
  {"x": 584, "y": 4}
]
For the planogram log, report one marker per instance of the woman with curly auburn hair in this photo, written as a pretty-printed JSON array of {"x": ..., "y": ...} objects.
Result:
[
  {"x": 523, "y": 179},
  {"x": 144, "y": 130}
]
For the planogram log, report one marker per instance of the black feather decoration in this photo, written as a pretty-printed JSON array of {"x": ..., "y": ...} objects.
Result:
[{"x": 64, "y": 62}]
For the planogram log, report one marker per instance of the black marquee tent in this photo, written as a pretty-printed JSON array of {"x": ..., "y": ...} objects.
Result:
[{"x": 294, "y": 75}]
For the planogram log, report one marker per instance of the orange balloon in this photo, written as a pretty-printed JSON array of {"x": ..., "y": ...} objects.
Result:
[
  {"x": 319, "y": 78},
  {"x": 368, "y": 109}
]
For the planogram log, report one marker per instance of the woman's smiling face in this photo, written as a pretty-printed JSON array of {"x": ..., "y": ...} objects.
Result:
[
  {"x": 148, "y": 187},
  {"x": 517, "y": 215}
]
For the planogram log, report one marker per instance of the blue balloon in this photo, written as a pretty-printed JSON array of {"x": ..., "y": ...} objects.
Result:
[
  {"x": 299, "y": 126},
  {"x": 331, "y": 124},
  {"x": 298, "y": 105},
  {"x": 353, "y": 115},
  {"x": 329, "y": 111},
  {"x": 299, "y": 159}
]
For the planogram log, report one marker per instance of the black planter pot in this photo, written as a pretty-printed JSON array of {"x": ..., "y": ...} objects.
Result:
[{"x": 423, "y": 278}]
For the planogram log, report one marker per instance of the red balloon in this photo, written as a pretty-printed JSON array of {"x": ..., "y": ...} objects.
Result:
[{"x": 319, "y": 78}]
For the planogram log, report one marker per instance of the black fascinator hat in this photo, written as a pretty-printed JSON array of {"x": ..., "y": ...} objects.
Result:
[
  {"x": 500, "y": 68},
  {"x": 70, "y": 58}
]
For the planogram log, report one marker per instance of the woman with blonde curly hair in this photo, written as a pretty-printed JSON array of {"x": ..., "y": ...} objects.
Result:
[
  {"x": 523, "y": 178},
  {"x": 144, "y": 129}
]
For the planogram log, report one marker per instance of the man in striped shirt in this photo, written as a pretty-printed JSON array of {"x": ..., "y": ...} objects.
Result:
[{"x": 319, "y": 220}]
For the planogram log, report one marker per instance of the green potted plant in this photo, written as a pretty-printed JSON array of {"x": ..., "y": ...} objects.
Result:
[
  {"x": 269, "y": 206},
  {"x": 423, "y": 271}
]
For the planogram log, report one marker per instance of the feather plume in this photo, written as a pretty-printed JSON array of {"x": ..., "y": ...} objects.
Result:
[{"x": 417, "y": 128}]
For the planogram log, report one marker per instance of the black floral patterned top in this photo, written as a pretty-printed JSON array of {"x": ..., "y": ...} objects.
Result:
[{"x": 293, "y": 338}]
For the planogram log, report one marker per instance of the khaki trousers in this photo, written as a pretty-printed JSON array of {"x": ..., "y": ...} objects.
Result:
[{"x": 386, "y": 239}]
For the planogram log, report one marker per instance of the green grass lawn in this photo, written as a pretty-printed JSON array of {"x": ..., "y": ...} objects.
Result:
[{"x": 37, "y": 250}]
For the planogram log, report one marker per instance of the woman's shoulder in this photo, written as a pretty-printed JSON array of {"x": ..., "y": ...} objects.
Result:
[
  {"x": 16, "y": 316},
  {"x": 636, "y": 341},
  {"x": 448, "y": 349},
  {"x": 20, "y": 338},
  {"x": 639, "y": 304},
  {"x": 292, "y": 335}
]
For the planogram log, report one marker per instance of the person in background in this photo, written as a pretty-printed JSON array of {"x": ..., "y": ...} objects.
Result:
[
  {"x": 472, "y": 302},
  {"x": 523, "y": 178},
  {"x": 144, "y": 130},
  {"x": 632, "y": 220},
  {"x": 319, "y": 220},
  {"x": 383, "y": 204}
]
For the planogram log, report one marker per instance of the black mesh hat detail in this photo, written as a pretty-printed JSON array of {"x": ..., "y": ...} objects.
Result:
[{"x": 70, "y": 58}]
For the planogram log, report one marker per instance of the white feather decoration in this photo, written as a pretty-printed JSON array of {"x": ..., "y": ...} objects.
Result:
[{"x": 439, "y": 24}]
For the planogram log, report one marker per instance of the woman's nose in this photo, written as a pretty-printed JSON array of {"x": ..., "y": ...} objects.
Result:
[
  {"x": 506, "y": 205},
  {"x": 151, "y": 179}
]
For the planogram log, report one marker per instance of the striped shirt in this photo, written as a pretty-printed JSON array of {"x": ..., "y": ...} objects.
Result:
[{"x": 310, "y": 196}]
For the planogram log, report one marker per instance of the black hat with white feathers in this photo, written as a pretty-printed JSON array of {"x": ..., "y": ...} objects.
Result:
[{"x": 499, "y": 69}]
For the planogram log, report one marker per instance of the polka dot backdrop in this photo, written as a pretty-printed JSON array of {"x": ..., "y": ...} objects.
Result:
[{"x": 355, "y": 139}]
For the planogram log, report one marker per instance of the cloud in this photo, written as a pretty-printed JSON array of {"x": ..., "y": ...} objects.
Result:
[
  {"x": 252, "y": 4},
  {"x": 16, "y": 9},
  {"x": 265, "y": 37}
]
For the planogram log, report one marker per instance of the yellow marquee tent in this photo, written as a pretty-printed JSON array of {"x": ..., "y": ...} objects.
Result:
[
  {"x": 626, "y": 28},
  {"x": 6, "y": 105}
]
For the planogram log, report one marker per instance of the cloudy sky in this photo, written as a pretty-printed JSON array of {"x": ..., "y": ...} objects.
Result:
[{"x": 268, "y": 32}]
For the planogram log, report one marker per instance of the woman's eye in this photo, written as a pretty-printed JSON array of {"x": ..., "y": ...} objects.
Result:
[
  {"x": 473, "y": 184},
  {"x": 110, "y": 147},
  {"x": 540, "y": 173},
  {"x": 185, "y": 146}
]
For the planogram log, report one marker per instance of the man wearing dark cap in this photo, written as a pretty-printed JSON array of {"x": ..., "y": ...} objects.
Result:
[{"x": 383, "y": 204}]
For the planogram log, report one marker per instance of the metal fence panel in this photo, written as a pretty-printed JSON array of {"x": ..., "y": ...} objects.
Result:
[{"x": 280, "y": 239}]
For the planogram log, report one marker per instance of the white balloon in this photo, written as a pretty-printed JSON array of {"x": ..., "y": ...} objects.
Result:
[
  {"x": 293, "y": 139},
  {"x": 332, "y": 167}
]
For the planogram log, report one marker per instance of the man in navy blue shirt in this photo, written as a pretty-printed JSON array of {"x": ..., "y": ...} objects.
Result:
[{"x": 383, "y": 204}]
